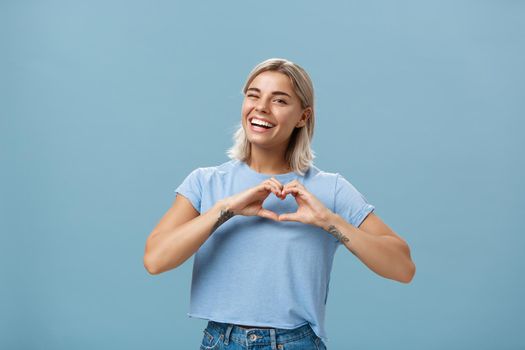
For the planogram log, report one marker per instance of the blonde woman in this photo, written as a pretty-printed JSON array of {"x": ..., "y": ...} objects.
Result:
[{"x": 266, "y": 224}]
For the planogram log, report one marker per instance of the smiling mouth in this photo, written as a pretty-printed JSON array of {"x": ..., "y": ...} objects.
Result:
[
  {"x": 254, "y": 122},
  {"x": 262, "y": 126}
]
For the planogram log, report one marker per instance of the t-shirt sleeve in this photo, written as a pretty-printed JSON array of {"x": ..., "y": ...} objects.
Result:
[
  {"x": 191, "y": 188},
  {"x": 350, "y": 203}
]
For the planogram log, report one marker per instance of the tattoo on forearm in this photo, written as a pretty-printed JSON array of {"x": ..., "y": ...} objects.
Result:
[
  {"x": 340, "y": 236},
  {"x": 223, "y": 217},
  {"x": 335, "y": 232}
]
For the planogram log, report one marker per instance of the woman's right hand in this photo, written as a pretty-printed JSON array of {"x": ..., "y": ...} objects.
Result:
[{"x": 249, "y": 202}]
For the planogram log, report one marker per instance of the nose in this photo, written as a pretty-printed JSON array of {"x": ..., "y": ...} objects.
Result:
[{"x": 261, "y": 105}]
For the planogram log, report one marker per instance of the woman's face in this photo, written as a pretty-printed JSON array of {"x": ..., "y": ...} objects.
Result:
[{"x": 271, "y": 98}]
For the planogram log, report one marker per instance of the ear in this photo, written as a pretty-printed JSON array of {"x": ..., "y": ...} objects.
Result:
[{"x": 306, "y": 114}]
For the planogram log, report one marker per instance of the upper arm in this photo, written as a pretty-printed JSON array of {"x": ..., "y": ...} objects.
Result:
[
  {"x": 374, "y": 225},
  {"x": 180, "y": 212}
]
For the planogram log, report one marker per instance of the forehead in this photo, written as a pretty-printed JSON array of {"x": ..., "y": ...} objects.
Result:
[{"x": 272, "y": 80}]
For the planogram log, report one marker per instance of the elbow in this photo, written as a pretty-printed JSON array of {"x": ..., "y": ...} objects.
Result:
[
  {"x": 409, "y": 275},
  {"x": 150, "y": 266},
  {"x": 410, "y": 269},
  {"x": 154, "y": 267},
  {"x": 150, "y": 263}
]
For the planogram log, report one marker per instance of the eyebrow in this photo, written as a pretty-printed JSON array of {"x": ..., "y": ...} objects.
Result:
[{"x": 273, "y": 93}]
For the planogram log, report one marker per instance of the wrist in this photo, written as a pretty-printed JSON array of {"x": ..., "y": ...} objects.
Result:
[
  {"x": 224, "y": 206},
  {"x": 326, "y": 219}
]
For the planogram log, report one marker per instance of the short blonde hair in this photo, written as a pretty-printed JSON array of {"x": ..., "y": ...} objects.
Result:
[{"x": 299, "y": 154}]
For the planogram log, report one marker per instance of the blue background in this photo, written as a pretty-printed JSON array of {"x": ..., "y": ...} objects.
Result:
[{"x": 107, "y": 105}]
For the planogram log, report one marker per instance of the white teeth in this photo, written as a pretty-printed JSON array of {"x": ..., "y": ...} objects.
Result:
[{"x": 263, "y": 123}]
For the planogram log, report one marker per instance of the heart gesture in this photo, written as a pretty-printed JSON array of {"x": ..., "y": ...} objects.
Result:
[
  {"x": 249, "y": 202},
  {"x": 310, "y": 210}
]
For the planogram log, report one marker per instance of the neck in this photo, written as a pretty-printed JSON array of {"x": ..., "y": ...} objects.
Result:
[{"x": 268, "y": 161}]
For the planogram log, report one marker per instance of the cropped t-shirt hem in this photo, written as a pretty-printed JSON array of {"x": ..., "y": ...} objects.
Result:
[
  {"x": 274, "y": 325},
  {"x": 232, "y": 321}
]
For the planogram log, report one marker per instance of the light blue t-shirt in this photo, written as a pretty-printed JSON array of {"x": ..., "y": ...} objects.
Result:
[{"x": 256, "y": 271}]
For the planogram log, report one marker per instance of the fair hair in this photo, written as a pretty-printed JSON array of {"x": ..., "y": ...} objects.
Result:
[{"x": 299, "y": 154}]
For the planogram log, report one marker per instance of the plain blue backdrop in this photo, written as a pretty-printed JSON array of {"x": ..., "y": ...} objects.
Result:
[{"x": 107, "y": 105}]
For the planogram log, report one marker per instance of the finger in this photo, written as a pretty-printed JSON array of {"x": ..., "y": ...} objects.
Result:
[
  {"x": 268, "y": 214},
  {"x": 293, "y": 190},
  {"x": 295, "y": 183},
  {"x": 289, "y": 186},
  {"x": 268, "y": 186},
  {"x": 285, "y": 191},
  {"x": 277, "y": 183},
  {"x": 278, "y": 187},
  {"x": 273, "y": 179}
]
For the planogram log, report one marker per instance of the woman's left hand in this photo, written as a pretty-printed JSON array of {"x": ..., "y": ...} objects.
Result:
[{"x": 310, "y": 210}]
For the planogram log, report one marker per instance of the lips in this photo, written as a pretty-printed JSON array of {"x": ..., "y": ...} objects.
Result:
[
  {"x": 261, "y": 118},
  {"x": 259, "y": 129}
]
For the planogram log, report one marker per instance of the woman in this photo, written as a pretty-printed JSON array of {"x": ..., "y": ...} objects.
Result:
[{"x": 261, "y": 273}]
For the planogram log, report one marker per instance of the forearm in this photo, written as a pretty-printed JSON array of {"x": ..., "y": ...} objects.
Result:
[
  {"x": 385, "y": 255},
  {"x": 169, "y": 249}
]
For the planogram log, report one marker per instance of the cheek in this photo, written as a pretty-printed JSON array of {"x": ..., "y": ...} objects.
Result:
[
  {"x": 245, "y": 109},
  {"x": 286, "y": 122},
  {"x": 287, "y": 125}
]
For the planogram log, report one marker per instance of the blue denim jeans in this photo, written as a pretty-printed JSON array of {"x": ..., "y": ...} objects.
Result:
[{"x": 229, "y": 336}]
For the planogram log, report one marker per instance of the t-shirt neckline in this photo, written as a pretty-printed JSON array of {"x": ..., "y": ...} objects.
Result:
[{"x": 254, "y": 173}]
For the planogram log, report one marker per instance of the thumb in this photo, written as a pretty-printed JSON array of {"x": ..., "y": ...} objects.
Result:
[
  {"x": 268, "y": 214},
  {"x": 289, "y": 217}
]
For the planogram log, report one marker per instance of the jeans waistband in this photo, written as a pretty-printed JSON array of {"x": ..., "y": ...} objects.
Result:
[{"x": 260, "y": 335}]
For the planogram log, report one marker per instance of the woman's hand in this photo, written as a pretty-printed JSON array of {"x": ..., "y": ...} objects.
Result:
[
  {"x": 249, "y": 202},
  {"x": 310, "y": 210}
]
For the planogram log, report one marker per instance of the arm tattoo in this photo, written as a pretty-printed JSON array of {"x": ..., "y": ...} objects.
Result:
[
  {"x": 335, "y": 232},
  {"x": 223, "y": 217}
]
